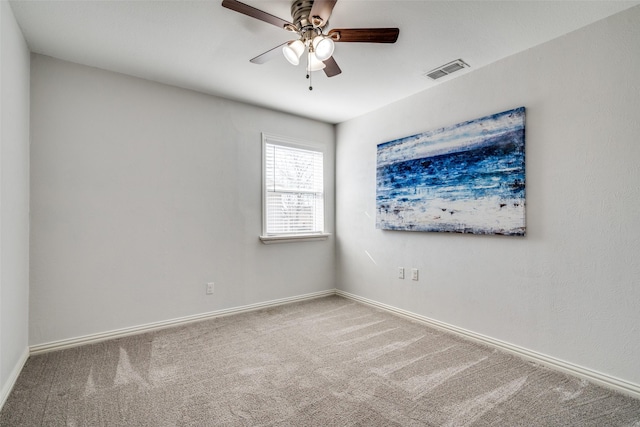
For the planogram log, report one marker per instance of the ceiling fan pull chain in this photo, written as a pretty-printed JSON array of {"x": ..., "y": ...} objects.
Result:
[{"x": 309, "y": 73}]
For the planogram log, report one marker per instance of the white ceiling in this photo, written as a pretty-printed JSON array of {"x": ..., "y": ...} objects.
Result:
[{"x": 202, "y": 46}]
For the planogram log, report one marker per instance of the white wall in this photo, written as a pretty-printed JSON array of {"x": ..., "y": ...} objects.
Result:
[
  {"x": 14, "y": 198},
  {"x": 570, "y": 289},
  {"x": 141, "y": 193}
]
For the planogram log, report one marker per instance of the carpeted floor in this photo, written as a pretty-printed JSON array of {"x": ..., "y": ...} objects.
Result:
[{"x": 325, "y": 362}]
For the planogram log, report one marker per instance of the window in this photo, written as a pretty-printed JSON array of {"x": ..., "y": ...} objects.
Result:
[{"x": 293, "y": 190}]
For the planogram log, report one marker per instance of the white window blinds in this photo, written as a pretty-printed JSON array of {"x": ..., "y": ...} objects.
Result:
[{"x": 293, "y": 189}]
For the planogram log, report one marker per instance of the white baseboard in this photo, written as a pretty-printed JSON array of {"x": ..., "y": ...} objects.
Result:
[
  {"x": 605, "y": 380},
  {"x": 13, "y": 377},
  {"x": 118, "y": 333}
]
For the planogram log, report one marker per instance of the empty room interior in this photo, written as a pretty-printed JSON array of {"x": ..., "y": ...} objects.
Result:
[{"x": 148, "y": 277}]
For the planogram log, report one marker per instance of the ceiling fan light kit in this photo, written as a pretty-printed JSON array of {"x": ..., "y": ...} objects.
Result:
[
  {"x": 323, "y": 47},
  {"x": 310, "y": 19},
  {"x": 293, "y": 51},
  {"x": 314, "y": 64},
  {"x": 320, "y": 48}
]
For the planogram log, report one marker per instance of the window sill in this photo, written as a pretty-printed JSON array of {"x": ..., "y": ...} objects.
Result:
[{"x": 269, "y": 240}]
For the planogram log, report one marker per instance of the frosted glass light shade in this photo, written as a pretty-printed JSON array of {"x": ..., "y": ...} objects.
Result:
[
  {"x": 314, "y": 63},
  {"x": 323, "y": 47},
  {"x": 293, "y": 51}
]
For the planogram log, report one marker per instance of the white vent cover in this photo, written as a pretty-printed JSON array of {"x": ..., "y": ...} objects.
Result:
[{"x": 446, "y": 69}]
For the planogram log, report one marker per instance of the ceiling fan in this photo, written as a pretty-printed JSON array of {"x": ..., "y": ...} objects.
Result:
[{"x": 310, "y": 19}]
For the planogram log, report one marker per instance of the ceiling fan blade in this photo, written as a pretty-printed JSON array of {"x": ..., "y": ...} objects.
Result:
[
  {"x": 251, "y": 11},
  {"x": 322, "y": 9},
  {"x": 268, "y": 55},
  {"x": 365, "y": 35},
  {"x": 331, "y": 68}
]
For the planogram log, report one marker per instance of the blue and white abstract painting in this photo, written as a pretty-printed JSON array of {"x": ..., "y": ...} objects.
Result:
[{"x": 466, "y": 178}]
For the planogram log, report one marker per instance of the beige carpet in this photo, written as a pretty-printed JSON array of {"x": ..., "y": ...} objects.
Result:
[{"x": 326, "y": 362}]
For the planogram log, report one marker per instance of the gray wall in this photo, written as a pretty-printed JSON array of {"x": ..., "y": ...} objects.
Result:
[
  {"x": 14, "y": 198},
  {"x": 570, "y": 288},
  {"x": 141, "y": 193}
]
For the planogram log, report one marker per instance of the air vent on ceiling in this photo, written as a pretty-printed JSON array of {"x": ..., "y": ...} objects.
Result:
[{"x": 446, "y": 69}]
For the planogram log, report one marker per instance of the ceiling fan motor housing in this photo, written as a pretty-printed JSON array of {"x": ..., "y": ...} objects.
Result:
[{"x": 300, "y": 10}]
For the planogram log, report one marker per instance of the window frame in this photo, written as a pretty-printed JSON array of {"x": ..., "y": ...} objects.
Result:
[{"x": 266, "y": 238}]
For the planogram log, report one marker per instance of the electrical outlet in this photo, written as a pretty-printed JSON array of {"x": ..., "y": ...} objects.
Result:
[
  {"x": 210, "y": 287},
  {"x": 400, "y": 272},
  {"x": 414, "y": 274}
]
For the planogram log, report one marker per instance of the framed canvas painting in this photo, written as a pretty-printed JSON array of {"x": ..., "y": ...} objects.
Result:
[{"x": 465, "y": 178}]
